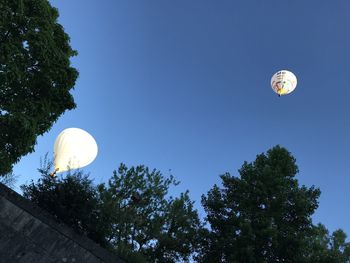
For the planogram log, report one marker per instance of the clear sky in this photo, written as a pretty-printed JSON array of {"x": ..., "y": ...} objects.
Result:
[{"x": 185, "y": 85}]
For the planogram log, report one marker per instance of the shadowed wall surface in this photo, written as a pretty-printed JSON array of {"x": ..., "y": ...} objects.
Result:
[{"x": 29, "y": 234}]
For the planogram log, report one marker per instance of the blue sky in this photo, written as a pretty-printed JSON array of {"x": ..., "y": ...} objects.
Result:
[{"x": 185, "y": 85}]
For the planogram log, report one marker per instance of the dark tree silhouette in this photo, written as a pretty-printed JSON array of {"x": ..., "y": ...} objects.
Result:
[
  {"x": 72, "y": 199},
  {"x": 328, "y": 248},
  {"x": 132, "y": 215},
  {"x": 261, "y": 216}
]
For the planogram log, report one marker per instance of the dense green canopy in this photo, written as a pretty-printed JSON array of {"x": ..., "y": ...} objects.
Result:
[
  {"x": 35, "y": 75},
  {"x": 132, "y": 215},
  {"x": 262, "y": 216}
]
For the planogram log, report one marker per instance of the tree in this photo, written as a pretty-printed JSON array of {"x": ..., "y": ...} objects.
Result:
[
  {"x": 132, "y": 214},
  {"x": 9, "y": 179},
  {"x": 326, "y": 248},
  {"x": 71, "y": 199},
  {"x": 35, "y": 75},
  {"x": 145, "y": 225},
  {"x": 261, "y": 216}
]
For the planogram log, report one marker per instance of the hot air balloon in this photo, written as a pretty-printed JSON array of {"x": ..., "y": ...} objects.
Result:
[
  {"x": 74, "y": 148},
  {"x": 283, "y": 82}
]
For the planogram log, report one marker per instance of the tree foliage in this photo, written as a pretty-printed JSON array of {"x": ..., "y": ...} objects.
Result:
[
  {"x": 72, "y": 199},
  {"x": 132, "y": 214},
  {"x": 35, "y": 75},
  {"x": 261, "y": 216},
  {"x": 144, "y": 223},
  {"x": 9, "y": 179},
  {"x": 328, "y": 248}
]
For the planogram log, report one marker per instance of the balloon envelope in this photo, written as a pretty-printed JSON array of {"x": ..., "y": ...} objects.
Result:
[
  {"x": 283, "y": 82},
  {"x": 74, "y": 148}
]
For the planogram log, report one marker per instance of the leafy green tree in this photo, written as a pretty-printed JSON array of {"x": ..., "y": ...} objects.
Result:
[
  {"x": 145, "y": 225},
  {"x": 326, "y": 248},
  {"x": 72, "y": 199},
  {"x": 261, "y": 216},
  {"x": 35, "y": 75},
  {"x": 132, "y": 214}
]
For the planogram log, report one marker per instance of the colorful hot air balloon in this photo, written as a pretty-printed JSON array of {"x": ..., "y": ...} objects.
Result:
[
  {"x": 283, "y": 82},
  {"x": 74, "y": 148}
]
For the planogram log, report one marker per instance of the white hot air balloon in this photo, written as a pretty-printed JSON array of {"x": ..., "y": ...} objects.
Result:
[
  {"x": 74, "y": 148},
  {"x": 283, "y": 82}
]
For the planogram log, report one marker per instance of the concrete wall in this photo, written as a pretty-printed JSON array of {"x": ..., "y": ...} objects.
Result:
[{"x": 30, "y": 235}]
